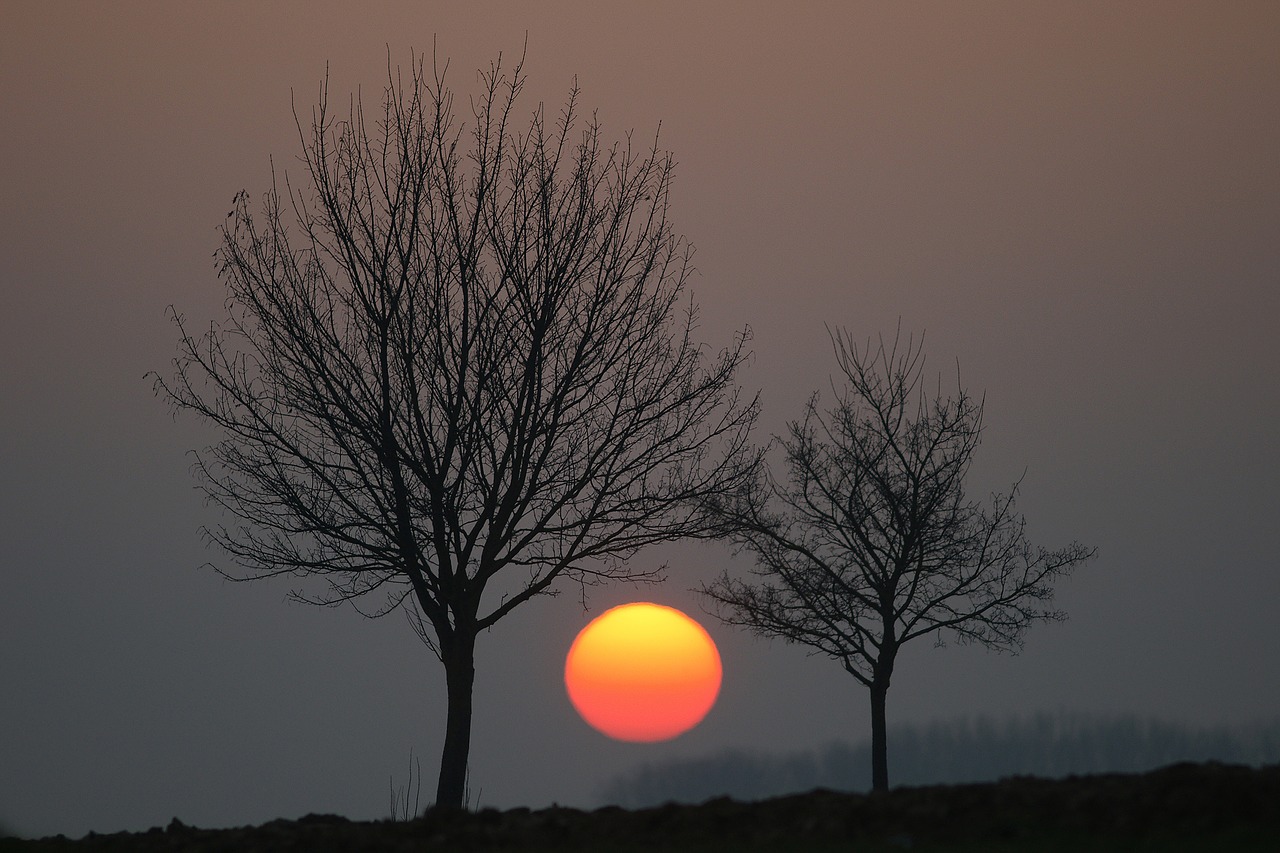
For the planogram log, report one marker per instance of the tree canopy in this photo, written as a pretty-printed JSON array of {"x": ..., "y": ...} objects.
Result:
[
  {"x": 870, "y": 540},
  {"x": 459, "y": 367}
]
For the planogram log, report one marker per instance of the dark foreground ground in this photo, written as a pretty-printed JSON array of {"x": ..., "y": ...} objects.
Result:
[{"x": 1185, "y": 807}]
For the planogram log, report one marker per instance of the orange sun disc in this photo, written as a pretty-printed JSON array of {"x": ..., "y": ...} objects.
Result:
[{"x": 643, "y": 672}]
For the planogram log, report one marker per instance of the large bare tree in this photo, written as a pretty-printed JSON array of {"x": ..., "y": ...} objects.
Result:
[
  {"x": 871, "y": 542},
  {"x": 458, "y": 368}
]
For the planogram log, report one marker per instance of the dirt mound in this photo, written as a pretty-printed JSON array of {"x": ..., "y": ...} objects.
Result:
[{"x": 1182, "y": 807}]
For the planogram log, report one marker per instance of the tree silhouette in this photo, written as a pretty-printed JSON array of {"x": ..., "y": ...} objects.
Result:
[
  {"x": 871, "y": 542},
  {"x": 458, "y": 369}
]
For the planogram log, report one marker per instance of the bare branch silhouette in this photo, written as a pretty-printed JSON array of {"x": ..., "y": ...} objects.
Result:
[
  {"x": 870, "y": 541},
  {"x": 458, "y": 368}
]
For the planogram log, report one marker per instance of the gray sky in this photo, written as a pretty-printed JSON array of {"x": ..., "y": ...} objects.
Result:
[{"x": 1079, "y": 202}]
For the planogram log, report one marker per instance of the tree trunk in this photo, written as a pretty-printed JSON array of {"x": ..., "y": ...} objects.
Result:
[
  {"x": 879, "y": 737},
  {"x": 460, "y": 675}
]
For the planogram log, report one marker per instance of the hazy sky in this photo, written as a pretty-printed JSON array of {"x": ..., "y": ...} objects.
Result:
[{"x": 1078, "y": 201}]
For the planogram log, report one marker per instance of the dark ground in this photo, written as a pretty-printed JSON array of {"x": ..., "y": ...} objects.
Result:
[{"x": 1184, "y": 807}]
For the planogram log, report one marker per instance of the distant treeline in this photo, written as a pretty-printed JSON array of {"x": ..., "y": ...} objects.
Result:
[{"x": 964, "y": 750}]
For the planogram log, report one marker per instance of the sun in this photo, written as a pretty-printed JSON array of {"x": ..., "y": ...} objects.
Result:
[{"x": 643, "y": 672}]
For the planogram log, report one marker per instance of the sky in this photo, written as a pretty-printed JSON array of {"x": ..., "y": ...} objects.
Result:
[{"x": 1077, "y": 203}]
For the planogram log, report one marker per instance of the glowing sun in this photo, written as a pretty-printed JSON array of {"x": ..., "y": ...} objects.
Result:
[{"x": 643, "y": 672}]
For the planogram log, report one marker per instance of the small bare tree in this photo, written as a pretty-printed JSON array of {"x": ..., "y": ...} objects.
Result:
[
  {"x": 871, "y": 542},
  {"x": 459, "y": 368}
]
